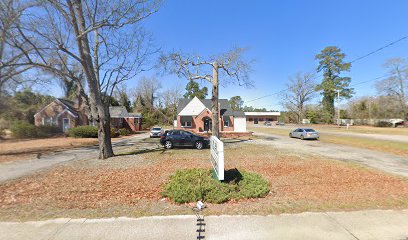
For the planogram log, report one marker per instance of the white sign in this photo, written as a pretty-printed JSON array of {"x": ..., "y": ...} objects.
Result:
[{"x": 217, "y": 157}]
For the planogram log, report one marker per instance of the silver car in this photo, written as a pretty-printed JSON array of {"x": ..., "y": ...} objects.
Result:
[
  {"x": 304, "y": 133},
  {"x": 156, "y": 132}
]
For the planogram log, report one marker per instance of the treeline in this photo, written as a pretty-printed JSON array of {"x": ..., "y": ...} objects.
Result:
[
  {"x": 21, "y": 107},
  {"x": 390, "y": 100}
]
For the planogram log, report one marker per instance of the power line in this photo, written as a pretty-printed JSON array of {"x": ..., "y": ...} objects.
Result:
[
  {"x": 353, "y": 61},
  {"x": 379, "y": 49},
  {"x": 355, "y": 84}
]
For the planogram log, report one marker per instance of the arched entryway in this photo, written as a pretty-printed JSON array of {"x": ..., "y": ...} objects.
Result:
[{"x": 207, "y": 124}]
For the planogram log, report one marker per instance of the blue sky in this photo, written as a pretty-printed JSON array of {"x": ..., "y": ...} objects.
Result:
[{"x": 282, "y": 37}]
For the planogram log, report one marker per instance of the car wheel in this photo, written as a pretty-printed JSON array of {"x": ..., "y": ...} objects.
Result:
[
  {"x": 199, "y": 145},
  {"x": 168, "y": 144},
  {"x": 302, "y": 137}
]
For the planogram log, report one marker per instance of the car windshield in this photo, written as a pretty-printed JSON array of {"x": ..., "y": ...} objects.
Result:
[
  {"x": 156, "y": 129},
  {"x": 309, "y": 130}
]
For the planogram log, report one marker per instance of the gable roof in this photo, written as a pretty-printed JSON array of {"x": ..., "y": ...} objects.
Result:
[
  {"x": 68, "y": 105},
  {"x": 193, "y": 108},
  {"x": 225, "y": 107},
  {"x": 118, "y": 112},
  {"x": 121, "y": 112}
]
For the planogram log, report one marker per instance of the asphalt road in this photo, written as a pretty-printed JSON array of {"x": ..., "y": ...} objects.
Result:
[
  {"x": 380, "y": 160},
  {"x": 16, "y": 169},
  {"x": 361, "y": 225}
]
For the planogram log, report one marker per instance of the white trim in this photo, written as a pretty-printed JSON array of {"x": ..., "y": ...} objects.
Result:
[
  {"x": 184, "y": 126},
  {"x": 42, "y": 109},
  {"x": 67, "y": 110},
  {"x": 203, "y": 111},
  {"x": 55, "y": 100},
  {"x": 69, "y": 124}
]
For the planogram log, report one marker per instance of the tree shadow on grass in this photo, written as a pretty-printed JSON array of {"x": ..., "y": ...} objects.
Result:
[{"x": 142, "y": 151}]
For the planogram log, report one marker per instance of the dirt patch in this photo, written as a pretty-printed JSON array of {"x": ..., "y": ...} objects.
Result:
[{"x": 298, "y": 183}]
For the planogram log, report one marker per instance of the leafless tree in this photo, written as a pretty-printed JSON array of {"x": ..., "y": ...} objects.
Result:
[
  {"x": 147, "y": 90},
  {"x": 103, "y": 36},
  {"x": 396, "y": 84},
  {"x": 234, "y": 69},
  {"x": 10, "y": 15},
  {"x": 301, "y": 89}
]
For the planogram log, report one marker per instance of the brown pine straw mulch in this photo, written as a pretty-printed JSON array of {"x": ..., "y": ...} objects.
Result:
[{"x": 297, "y": 184}]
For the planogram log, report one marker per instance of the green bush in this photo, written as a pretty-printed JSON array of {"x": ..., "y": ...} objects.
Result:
[
  {"x": 114, "y": 133},
  {"x": 23, "y": 130},
  {"x": 47, "y": 131},
  {"x": 190, "y": 185},
  {"x": 83, "y": 132},
  {"x": 124, "y": 132}
]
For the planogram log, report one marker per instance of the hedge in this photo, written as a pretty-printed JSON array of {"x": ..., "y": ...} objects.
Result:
[
  {"x": 83, "y": 132},
  {"x": 23, "y": 130}
]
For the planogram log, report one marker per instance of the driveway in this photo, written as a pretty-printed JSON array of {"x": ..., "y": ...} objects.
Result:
[
  {"x": 16, "y": 169},
  {"x": 373, "y": 225},
  {"x": 383, "y": 161}
]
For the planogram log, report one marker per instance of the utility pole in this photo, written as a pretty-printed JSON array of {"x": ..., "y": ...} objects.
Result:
[{"x": 338, "y": 107}]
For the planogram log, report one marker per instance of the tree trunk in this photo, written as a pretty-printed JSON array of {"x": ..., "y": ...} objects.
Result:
[
  {"x": 215, "y": 109},
  {"x": 99, "y": 112},
  {"x": 328, "y": 106},
  {"x": 104, "y": 134}
]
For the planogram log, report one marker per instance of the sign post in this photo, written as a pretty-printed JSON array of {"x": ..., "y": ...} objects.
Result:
[{"x": 217, "y": 157}]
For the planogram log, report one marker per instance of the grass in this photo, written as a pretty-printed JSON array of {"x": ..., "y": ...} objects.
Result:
[
  {"x": 131, "y": 185},
  {"x": 393, "y": 147},
  {"x": 364, "y": 129}
]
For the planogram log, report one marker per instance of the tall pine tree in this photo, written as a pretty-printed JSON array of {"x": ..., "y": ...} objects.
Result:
[
  {"x": 193, "y": 90},
  {"x": 331, "y": 63}
]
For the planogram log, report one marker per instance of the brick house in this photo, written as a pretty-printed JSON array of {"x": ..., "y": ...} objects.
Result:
[
  {"x": 195, "y": 115},
  {"x": 66, "y": 114},
  {"x": 121, "y": 118},
  {"x": 261, "y": 117}
]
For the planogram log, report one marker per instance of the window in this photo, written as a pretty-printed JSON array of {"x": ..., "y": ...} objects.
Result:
[
  {"x": 226, "y": 123},
  {"x": 251, "y": 119},
  {"x": 186, "y": 133},
  {"x": 186, "y": 124},
  {"x": 47, "y": 121}
]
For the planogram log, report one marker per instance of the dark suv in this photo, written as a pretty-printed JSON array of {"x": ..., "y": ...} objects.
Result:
[{"x": 181, "y": 138}]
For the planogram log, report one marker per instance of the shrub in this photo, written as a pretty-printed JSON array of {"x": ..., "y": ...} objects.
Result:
[
  {"x": 23, "y": 130},
  {"x": 190, "y": 185},
  {"x": 124, "y": 132},
  {"x": 47, "y": 131},
  {"x": 83, "y": 132},
  {"x": 114, "y": 133},
  {"x": 383, "y": 124}
]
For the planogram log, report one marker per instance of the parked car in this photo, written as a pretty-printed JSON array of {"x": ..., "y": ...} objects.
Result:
[
  {"x": 156, "y": 132},
  {"x": 181, "y": 138},
  {"x": 304, "y": 133},
  {"x": 267, "y": 123},
  {"x": 280, "y": 123}
]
